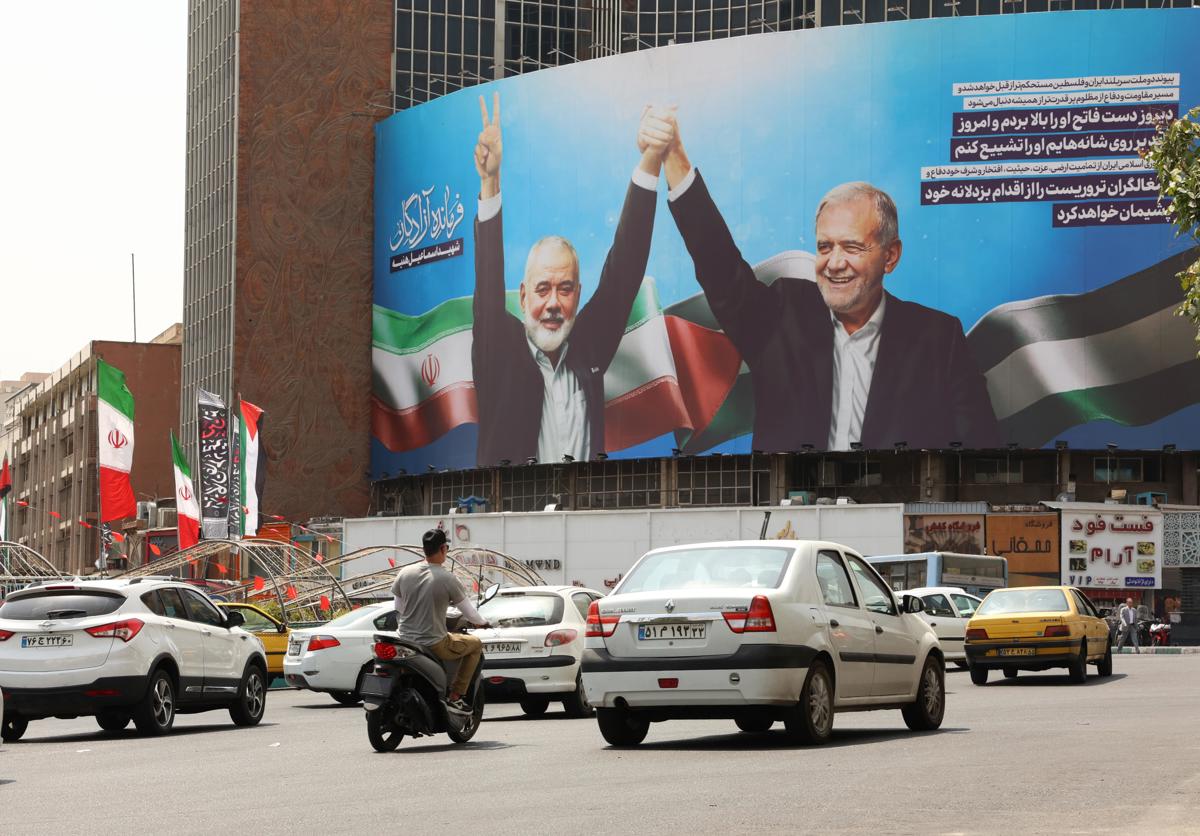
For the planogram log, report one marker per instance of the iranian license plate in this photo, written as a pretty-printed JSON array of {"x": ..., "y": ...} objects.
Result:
[
  {"x": 502, "y": 647},
  {"x": 294, "y": 648},
  {"x": 376, "y": 686},
  {"x": 1018, "y": 651},
  {"x": 679, "y": 630},
  {"x": 60, "y": 640}
]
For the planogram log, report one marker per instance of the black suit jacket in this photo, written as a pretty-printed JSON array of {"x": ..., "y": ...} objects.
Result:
[
  {"x": 926, "y": 389},
  {"x": 508, "y": 384}
]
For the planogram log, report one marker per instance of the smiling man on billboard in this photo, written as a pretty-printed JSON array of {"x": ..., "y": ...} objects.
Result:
[
  {"x": 841, "y": 360},
  {"x": 539, "y": 381}
]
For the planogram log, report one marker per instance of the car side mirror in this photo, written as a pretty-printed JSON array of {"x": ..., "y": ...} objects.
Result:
[
  {"x": 1105, "y": 612},
  {"x": 233, "y": 618},
  {"x": 281, "y": 628},
  {"x": 912, "y": 604},
  {"x": 490, "y": 593}
]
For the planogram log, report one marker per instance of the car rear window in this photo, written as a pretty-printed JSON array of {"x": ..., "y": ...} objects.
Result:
[
  {"x": 523, "y": 609},
  {"x": 1005, "y": 601},
  {"x": 53, "y": 604},
  {"x": 748, "y": 566}
]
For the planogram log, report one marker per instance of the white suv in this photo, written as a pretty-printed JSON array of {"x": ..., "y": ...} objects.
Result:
[
  {"x": 758, "y": 632},
  {"x": 120, "y": 650}
]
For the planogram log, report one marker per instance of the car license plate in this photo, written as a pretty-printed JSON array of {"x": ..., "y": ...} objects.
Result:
[
  {"x": 679, "y": 630},
  {"x": 376, "y": 686},
  {"x": 59, "y": 640},
  {"x": 502, "y": 647},
  {"x": 294, "y": 648},
  {"x": 1018, "y": 651}
]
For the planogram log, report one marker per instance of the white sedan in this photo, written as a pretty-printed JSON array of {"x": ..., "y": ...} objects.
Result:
[
  {"x": 948, "y": 609},
  {"x": 532, "y": 654},
  {"x": 758, "y": 632},
  {"x": 332, "y": 658}
]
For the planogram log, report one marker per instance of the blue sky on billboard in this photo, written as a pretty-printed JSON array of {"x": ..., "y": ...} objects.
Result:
[
  {"x": 775, "y": 120},
  {"x": 93, "y": 149}
]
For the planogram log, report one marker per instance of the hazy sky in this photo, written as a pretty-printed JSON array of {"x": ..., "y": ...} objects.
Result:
[{"x": 92, "y": 149}]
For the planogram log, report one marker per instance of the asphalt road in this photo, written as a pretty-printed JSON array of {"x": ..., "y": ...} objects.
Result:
[{"x": 1034, "y": 755}]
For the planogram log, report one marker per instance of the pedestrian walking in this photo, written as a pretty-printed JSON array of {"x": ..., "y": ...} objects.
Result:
[{"x": 1128, "y": 616}]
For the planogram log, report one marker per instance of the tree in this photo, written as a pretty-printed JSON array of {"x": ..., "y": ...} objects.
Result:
[{"x": 1175, "y": 156}]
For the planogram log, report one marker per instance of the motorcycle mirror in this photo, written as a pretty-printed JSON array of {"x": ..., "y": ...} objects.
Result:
[{"x": 490, "y": 593}]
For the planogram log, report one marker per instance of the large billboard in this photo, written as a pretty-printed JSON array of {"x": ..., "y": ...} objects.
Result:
[{"x": 625, "y": 256}]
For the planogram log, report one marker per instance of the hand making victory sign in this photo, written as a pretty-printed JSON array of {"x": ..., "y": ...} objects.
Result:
[{"x": 489, "y": 149}]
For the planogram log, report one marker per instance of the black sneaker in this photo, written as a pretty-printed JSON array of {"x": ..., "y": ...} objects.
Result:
[{"x": 458, "y": 706}]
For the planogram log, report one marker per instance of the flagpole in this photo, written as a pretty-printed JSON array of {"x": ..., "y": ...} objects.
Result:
[
  {"x": 101, "y": 560},
  {"x": 133, "y": 279}
]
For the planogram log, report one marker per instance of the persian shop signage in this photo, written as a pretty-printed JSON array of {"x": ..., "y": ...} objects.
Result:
[
  {"x": 1118, "y": 548},
  {"x": 1029, "y": 541}
]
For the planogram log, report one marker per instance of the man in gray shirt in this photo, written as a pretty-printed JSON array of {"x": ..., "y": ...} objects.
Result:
[{"x": 422, "y": 592}]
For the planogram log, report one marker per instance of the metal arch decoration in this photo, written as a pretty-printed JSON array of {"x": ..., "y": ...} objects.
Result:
[
  {"x": 21, "y": 566},
  {"x": 294, "y": 577}
]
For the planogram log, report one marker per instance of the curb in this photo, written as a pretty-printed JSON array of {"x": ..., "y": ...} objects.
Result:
[{"x": 1160, "y": 651}]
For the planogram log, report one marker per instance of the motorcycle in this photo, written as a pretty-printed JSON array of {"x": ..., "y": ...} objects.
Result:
[{"x": 404, "y": 692}]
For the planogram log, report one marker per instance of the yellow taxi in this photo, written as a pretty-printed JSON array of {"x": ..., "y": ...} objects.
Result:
[
  {"x": 271, "y": 631},
  {"x": 1034, "y": 628}
]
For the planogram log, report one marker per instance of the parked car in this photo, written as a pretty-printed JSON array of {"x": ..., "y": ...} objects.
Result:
[
  {"x": 758, "y": 632},
  {"x": 1036, "y": 628},
  {"x": 144, "y": 650},
  {"x": 333, "y": 657},
  {"x": 532, "y": 655},
  {"x": 272, "y": 632},
  {"x": 947, "y": 609}
]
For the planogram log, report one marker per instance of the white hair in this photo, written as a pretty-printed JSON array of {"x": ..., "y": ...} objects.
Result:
[{"x": 885, "y": 208}]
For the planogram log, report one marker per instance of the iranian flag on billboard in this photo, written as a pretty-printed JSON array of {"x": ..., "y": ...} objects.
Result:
[
  {"x": 188, "y": 509},
  {"x": 115, "y": 431}
]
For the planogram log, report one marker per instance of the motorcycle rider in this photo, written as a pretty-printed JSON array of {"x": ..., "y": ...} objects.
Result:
[{"x": 422, "y": 591}]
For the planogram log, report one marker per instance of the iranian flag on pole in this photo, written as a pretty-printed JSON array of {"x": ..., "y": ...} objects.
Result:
[
  {"x": 114, "y": 427},
  {"x": 188, "y": 509},
  {"x": 253, "y": 475}
]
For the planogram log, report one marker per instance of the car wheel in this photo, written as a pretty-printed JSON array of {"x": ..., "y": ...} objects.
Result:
[
  {"x": 925, "y": 714},
  {"x": 1105, "y": 666},
  {"x": 382, "y": 732},
  {"x": 811, "y": 721},
  {"x": 155, "y": 714},
  {"x": 472, "y": 725},
  {"x": 577, "y": 704},
  {"x": 535, "y": 706},
  {"x": 252, "y": 698},
  {"x": 621, "y": 728},
  {"x": 346, "y": 697},
  {"x": 1077, "y": 670},
  {"x": 754, "y": 723},
  {"x": 112, "y": 720},
  {"x": 1010, "y": 673},
  {"x": 979, "y": 676},
  {"x": 13, "y": 728}
]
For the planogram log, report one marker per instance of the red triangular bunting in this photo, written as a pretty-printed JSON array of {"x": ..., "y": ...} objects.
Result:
[
  {"x": 85, "y": 524},
  {"x": 259, "y": 583},
  {"x": 291, "y": 592},
  {"x": 153, "y": 548},
  {"x": 392, "y": 562},
  {"x": 324, "y": 602},
  {"x": 22, "y": 503},
  {"x": 118, "y": 536},
  {"x": 55, "y": 514}
]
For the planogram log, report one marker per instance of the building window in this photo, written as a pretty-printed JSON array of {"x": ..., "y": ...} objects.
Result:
[
  {"x": 721, "y": 480},
  {"x": 850, "y": 473},
  {"x": 996, "y": 471},
  {"x": 619, "y": 484},
  {"x": 531, "y": 488},
  {"x": 450, "y": 490},
  {"x": 1114, "y": 469}
]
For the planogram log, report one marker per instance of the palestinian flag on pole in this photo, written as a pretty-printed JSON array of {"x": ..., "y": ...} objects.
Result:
[
  {"x": 114, "y": 427},
  {"x": 5, "y": 489},
  {"x": 187, "y": 508},
  {"x": 252, "y": 475},
  {"x": 1117, "y": 354}
]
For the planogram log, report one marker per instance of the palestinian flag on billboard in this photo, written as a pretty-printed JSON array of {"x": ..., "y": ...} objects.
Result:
[
  {"x": 252, "y": 475},
  {"x": 187, "y": 508},
  {"x": 114, "y": 428},
  {"x": 1118, "y": 353},
  {"x": 5, "y": 489}
]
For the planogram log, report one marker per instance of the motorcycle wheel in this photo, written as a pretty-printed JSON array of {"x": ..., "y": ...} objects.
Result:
[
  {"x": 472, "y": 725},
  {"x": 383, "y": 734}
]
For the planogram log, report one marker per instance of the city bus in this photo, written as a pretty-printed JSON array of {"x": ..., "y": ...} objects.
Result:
[{"x": 974, "y": 573}]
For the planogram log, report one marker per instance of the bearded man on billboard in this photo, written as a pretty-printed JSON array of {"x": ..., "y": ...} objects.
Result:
[
  {"x": 539, "y": 381},
  {"x": 837, "y": 361}
]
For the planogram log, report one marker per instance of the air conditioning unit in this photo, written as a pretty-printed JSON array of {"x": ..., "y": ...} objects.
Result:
[
  {"x": 145, "y": 511},
  {"x": 167, "y": 518}
]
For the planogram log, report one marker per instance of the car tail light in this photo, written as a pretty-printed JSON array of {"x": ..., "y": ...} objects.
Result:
[
  {"x": 601, "y": 626},
  {"x": 322, "y": 642},
  {"x": 672, "y": 682},
  {"x": 758, "y": 619},
  {"x": 496, "y": 680},
  {"x": 103, "y": 692},
  {"x": 5, "y": 635},
  {"x": 1057, "y": 630},
  {"x": 58, "y": 588},
  {"x": 561, "y": 637},
  {"x": 976, "y": 633},
  {"x": 383, "y": 650},
  {"x": 123, "y": 630}
]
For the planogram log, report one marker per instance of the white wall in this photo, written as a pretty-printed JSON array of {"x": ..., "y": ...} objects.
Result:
[{"x": 595, "y": 547}]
